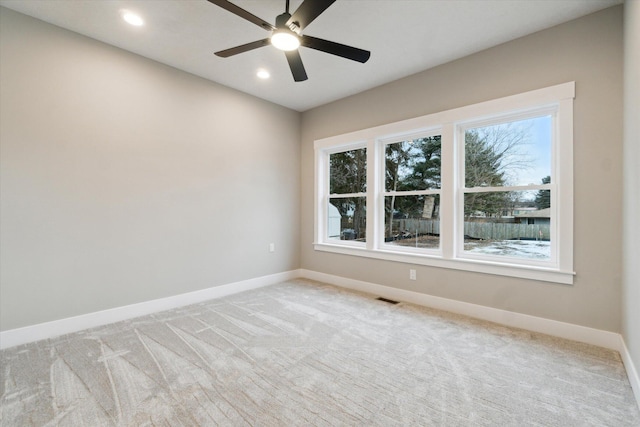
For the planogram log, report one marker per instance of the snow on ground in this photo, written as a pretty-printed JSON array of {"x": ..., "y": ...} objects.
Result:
[{"x": 532, "y": 249}]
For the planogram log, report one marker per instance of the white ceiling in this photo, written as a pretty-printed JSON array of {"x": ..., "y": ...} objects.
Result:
[{"x": 404, "y": 37}]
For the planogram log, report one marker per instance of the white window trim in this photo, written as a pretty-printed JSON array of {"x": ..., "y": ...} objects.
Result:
[{"x": 560, "y": 270}]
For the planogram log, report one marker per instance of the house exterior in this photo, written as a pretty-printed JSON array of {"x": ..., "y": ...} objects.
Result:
[{"x": 535, "y": 217}]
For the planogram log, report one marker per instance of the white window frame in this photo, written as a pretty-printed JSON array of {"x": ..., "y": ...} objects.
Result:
[
  {"x": 450, "y": 125},
  {"x": 382, "y": 144},
  {"x": 323, "y": 188},
  {"x": 461, "y": 128}
]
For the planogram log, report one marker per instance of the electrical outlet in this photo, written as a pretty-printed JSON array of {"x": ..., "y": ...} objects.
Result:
[
  {"x": 412, "y": 274},
  {"x": 272, "y": 247}
]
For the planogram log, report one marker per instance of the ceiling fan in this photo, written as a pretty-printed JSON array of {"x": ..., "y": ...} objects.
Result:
[{"x": 287, "y": 36}]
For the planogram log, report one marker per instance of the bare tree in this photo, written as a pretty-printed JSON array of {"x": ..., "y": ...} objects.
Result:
[{"x": 493, "y": 157}]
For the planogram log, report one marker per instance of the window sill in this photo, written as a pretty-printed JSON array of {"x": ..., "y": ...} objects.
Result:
[{"x": 477, "y": 266}]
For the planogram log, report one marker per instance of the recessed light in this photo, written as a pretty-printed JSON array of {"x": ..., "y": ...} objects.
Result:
[
  {"x": 132, "y": 18},
  {"x": 263, "y": 74}
]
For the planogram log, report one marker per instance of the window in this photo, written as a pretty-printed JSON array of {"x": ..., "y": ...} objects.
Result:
[
  {"x": 347, "y": 207},
  {"x": 507, "y": 184},
  {"x": 485, "y": 188},
  {"x": 412, "y": 193}
]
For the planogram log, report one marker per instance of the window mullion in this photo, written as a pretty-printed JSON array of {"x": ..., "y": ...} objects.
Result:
[
  {"x": 346, "y": 195},
  {"x": 373, "y": 215},
  {"x": 447, "y": 195},
  {"x": 506, "y": 189},
  {"x": 412, "y": 192}
]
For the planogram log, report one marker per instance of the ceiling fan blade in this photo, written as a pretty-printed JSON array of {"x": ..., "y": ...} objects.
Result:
[
  {"x": 243, "y": 48},
  {"x": 334, "y": 48},
  {"x": 295, "y": 63},
  {"x": 308, "y": 11},
  {"x": 227, "y": 5}
]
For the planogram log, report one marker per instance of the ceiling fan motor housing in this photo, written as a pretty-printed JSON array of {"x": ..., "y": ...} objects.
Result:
[{"x": 281, "y": 20}]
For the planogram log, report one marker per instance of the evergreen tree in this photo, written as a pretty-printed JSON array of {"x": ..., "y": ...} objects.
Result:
[
  {"x": 348, "y": 172},
  {"x": 425, "y": 171},
  {"x": 410, "y": 165},
  {"x": 543, "y": 197}
]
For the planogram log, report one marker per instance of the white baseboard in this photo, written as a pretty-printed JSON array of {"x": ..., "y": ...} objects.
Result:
[
  {"x": 14, "y": 337},
  {"x": 570, "y": 331},
  {"x": 610, "y": 340},
  {"x": 632, "y": 372}
]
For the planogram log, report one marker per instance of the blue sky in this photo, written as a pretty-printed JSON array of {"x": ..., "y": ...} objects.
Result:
[
  {"x": 539, "y": 152},
  {"x": 533, "y": 154}
]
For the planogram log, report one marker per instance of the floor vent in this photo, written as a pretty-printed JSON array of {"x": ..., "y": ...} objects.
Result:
[{"x": 390, "y": 301}]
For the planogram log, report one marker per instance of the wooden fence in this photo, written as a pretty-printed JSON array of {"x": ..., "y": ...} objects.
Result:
[{"x": 478, "y": 230}]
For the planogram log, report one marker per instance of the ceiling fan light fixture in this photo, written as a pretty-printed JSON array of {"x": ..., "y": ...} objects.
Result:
[{"x": 284, "y": 39}]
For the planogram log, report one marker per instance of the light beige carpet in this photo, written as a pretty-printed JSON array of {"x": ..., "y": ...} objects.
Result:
[{"x": 306, "y": 354}]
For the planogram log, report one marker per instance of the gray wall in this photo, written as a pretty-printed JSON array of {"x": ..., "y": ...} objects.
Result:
[
  {"x": 588, "y": 51},
  {"x": 124, "y": 180},
  {"x": 631, "y": 280}
]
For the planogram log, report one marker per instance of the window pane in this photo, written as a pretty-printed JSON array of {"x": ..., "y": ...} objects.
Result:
[
  {"x": 347, "y": 218},
  {"x": 348, "y": 172},
  {"x": 412, "y": 221},
  {"x": 509, "y": 154},
  {"x": 512, "y": 224},
  {"x": 413, "y": 164}
]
